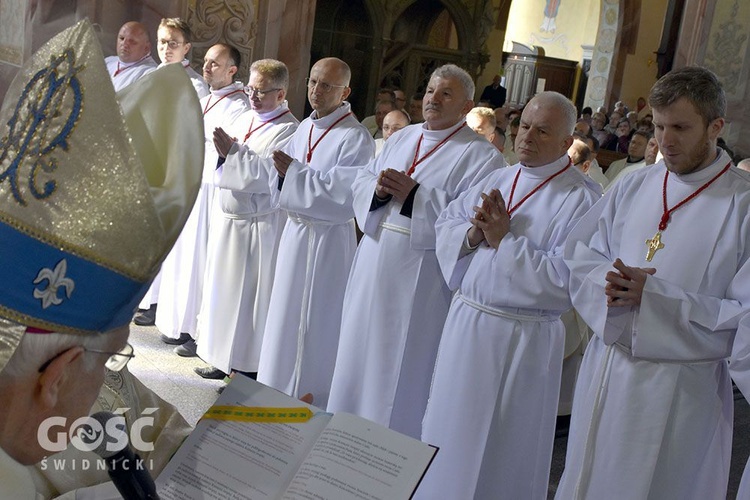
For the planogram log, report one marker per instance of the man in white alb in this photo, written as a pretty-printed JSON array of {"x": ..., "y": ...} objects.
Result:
[
  {"x": 133, "y": 59},
  {"x": 634, "y": 160},
  {"x": 181, "y": 287},
  {"x": 495, "y": 388},
  {"x": 659, "y": 270},
  {"x": 173, "y": 45},
  {"x": 396, "y": 299},
  {"x": 483, "y": 122},
  {"x": 314, "y": 186},
  {"x": 245, "y": 228},
  {"x": 393, "y": 122}
]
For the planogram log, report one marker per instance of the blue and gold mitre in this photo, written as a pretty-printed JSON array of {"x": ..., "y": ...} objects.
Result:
[{"x": 94, "y": 187}]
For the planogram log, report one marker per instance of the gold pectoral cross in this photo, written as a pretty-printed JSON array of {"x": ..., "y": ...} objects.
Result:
[{"x": 653, "y": 245}]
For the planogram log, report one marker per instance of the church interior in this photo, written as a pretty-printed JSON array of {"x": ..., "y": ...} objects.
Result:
[{"x": 595, "y": 52}]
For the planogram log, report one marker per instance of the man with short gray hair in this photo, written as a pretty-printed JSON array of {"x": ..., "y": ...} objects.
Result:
[
  {"x": 71, "y": 282},
  {"x": 482, "y": 121},
  {"x": 495, "y": 388},
  {"x": 245, "y": 228},
  {"x": 396, "y": 300}
]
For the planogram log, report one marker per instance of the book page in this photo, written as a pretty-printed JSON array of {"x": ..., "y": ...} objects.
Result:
[
  {"x": 357, "y": 459},
  {"x": 225, "y": 460}
]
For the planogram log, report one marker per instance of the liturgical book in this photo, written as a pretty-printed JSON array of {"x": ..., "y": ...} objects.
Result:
[{"x": 257, "y": 443}]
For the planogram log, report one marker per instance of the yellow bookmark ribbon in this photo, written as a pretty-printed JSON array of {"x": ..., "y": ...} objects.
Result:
[{"x": 262, "y": 414}]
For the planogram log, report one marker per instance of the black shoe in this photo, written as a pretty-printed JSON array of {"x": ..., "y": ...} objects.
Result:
[
  {"x": 210, "y": 372},
  {"x": 145, "y": 317},
  {"x": 187, "y": 350},
  {"x": 184, "y": 337},
  {"x": 221, "y": 389}
]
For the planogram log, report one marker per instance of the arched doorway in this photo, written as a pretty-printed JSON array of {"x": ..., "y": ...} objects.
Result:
[
  {"x": 394, "y": 43},
  {"x": 345, "y": 29}
]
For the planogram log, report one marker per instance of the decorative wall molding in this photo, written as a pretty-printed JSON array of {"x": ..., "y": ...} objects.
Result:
[
  {"x": 228, "y": 21},
  {"x": 727, "y": 51}
]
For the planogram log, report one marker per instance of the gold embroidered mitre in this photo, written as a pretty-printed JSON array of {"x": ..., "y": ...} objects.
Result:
[{"x": 94, "y": 187}]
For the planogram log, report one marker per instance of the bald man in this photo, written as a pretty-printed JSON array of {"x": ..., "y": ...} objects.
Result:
[
  {"x": 133, "y": 59},
  {"x": 393, "y": 122},
  {"x": 315, "y": 173}
]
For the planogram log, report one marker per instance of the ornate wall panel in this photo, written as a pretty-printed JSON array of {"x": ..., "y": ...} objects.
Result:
[{"x": 229, "y": 21}]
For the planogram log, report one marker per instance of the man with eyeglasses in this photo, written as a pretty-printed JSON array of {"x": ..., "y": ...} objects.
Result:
[
  {"x": 133, "y": 59},
  {"x": 314, "y": 178},
  {"x": 71, "y": 282},
  {"x": 181, "y": 287},
  {"x": 245, "y": 227},
  {"x": 393, "y": 122},
  {"x": 173, "y": 45}
]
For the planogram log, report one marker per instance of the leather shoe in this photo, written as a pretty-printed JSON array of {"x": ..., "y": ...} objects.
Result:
[
  {"x": 145, "y": 317},
  {"x": 187, "y": 350},
  {"x": 184, "y": 337},
  {"x": 210, "y": 372}
]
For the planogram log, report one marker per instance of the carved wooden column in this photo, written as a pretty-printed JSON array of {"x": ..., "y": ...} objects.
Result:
[
  {"x": 285, "y": 30},
  {"x": 228, "y": 21}
]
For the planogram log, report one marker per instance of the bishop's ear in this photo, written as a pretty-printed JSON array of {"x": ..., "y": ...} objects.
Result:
[{"x": 54, "y": 375}]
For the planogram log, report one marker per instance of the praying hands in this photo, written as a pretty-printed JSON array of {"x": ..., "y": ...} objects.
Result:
[
  {"x": 281, "y": 161},
  {"x": 491, "y": 221},
  {"x": 223, "y": 142}
]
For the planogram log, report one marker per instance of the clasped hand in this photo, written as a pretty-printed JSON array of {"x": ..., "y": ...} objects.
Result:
[
  {"x": 624, "y": 286},
  {"x": 491, "y": 221},
  {"x": 223, "y": 142},
  {"x": 394, "y": 183},
  {"x": 281, "y": 161}
]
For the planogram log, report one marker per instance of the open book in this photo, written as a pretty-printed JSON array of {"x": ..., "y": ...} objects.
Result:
[{"x": 329, "y": 456}]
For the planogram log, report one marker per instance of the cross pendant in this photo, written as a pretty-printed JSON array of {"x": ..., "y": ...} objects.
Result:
[{"x": 653, "y": 245}]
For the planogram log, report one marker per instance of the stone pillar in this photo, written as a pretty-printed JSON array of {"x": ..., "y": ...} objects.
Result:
[{"x": 602, "y": 59}]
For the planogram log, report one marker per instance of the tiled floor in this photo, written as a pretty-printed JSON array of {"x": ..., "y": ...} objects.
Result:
[{"x": 170, "y": 375}]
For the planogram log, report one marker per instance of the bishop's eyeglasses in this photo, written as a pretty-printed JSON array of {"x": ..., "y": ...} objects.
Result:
[
  {"x": 115, "y": 362},
  {"x": 260, "y": 94}
]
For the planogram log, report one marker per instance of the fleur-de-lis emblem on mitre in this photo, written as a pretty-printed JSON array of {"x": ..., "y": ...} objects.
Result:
[{"x": 55, "y": 279}]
